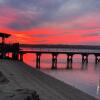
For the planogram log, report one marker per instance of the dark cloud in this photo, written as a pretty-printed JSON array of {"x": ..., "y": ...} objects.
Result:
[
  {"x": 91, "y": 43},
  {"x": 48, "y": 11},
  {"x": 46, "y": 35},
  {"x": 27, "y": 9},
  {"x": 92, "y": 34},
  {"x": 23, "y": 26}
]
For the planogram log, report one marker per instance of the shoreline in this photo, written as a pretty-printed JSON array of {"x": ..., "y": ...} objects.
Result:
[{"x": 46, "y": 86}]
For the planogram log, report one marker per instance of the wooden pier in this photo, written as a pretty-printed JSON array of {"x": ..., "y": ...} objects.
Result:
[{"x": 69, "y": 57}]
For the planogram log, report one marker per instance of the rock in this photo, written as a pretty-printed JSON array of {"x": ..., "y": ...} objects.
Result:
[
  {"x": 20, "y": 94},
  {"x": 3, "y": 79}
]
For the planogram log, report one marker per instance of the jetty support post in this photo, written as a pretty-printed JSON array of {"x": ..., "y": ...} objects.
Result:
[
  {"x": 38, "y": 56},
  {"x": 69, "y": 61},
  {"x": 21, "y": 56},
  {"x": 84, "y": 58},
  {"x": 54, "y": 60},
  {"x": 97, "y": 59},
  {"x": 15, "y": 51}
]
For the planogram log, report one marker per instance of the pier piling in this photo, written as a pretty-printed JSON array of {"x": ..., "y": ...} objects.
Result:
[
  {"x": 54, "y": 61},
  {"x": 84, "y": 58},
  {"x": 38, "y": 55},
  {"x": 69, "y": 61},
  {"x": 21, "y": 56}
]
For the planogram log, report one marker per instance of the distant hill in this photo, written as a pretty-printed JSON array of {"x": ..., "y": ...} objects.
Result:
[{"x": 59, "y": 46}]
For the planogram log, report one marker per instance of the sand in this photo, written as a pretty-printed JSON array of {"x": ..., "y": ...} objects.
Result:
[{"x": 21, "y": 76}]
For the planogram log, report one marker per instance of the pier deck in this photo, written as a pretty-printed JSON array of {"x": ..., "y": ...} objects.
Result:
[{"x": 22, "y": 76}]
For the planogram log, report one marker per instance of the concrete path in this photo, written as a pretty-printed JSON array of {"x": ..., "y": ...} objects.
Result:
[{"x": 22, "y": 76}]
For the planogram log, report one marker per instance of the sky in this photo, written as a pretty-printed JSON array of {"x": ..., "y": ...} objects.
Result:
[{"x": 51, "y": 21}]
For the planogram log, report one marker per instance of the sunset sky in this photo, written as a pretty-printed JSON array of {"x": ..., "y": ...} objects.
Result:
[{"x": 51, "y": 21}]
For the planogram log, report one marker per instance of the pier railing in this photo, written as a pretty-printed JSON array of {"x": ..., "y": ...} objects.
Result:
[{"x": 69, "y": 52}]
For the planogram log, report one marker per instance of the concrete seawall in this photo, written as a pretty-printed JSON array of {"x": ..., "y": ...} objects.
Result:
[{"x": 22, "y": 76}]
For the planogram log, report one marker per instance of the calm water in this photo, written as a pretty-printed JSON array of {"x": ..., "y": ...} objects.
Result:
[{"x": 84, "y": 77}]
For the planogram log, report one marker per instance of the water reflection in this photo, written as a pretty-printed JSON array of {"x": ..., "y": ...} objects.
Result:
[
  {"x": 98, "y": 88},
  {"x": 84, "y": 66}
]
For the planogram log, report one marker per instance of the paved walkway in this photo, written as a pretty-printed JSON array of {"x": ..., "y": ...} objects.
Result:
[{"x": 22, "y": 76}]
